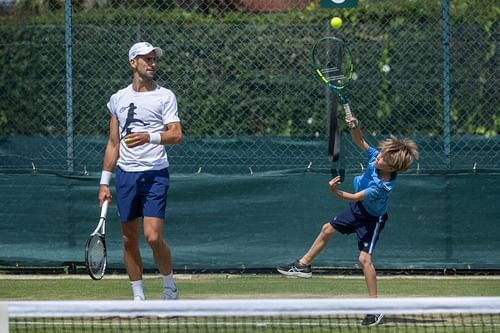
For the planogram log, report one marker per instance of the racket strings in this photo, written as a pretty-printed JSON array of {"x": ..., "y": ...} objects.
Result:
[
  {"x": 97, "y": 255},
  {"x": 334, "y": 65},
  {"x": 333, "y": 73}
]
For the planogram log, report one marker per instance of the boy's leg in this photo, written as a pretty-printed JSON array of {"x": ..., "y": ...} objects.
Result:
[
  {"x": 365, "y": 259},
  {"x": 369, "y": 272},
  {"x": 367, "y": 238},
  {"x": 324, "y": 236},
  {"x": 302, "y": 267}
]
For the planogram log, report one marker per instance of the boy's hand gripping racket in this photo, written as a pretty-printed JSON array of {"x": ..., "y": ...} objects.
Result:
[{"x": 95, "y": 249}]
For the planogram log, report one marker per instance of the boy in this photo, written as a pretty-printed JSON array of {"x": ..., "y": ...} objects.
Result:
[{"x": 367, "y": 210}]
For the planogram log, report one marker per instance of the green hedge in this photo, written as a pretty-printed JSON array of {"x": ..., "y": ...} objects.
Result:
[{"x": 270, "y": 96}]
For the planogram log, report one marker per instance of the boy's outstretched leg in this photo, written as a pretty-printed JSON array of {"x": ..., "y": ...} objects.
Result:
[{"x": 302, "y": 267}]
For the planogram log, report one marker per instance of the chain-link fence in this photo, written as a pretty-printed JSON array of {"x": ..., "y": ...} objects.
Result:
[
  {"x": 249, "y": 102},
  {"x": 241, "y": 70}
]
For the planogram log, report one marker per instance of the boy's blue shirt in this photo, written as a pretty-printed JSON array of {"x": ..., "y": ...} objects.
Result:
[{"x": 376, "y": 190}]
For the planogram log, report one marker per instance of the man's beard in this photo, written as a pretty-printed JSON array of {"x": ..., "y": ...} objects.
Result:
[{"x": 146, "y": 77}]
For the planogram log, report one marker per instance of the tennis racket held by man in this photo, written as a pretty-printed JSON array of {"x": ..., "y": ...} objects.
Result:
[{"x": 95, "y": 248}]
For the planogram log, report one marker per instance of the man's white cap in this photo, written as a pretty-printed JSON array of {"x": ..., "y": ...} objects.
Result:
[{"x": 143, "y": 48}]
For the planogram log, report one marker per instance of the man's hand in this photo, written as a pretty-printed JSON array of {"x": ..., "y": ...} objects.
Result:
[
  {"x": 104, "y": 194},
  {"x": 136, "y": 139}
]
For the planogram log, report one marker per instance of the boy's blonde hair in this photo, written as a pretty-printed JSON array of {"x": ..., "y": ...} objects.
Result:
[{"x": 399, "y": 154}]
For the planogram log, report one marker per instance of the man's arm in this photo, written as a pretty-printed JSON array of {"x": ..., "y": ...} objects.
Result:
[
  {"x": 110, "y": 157},
  {"x": 171, "y": 135}
]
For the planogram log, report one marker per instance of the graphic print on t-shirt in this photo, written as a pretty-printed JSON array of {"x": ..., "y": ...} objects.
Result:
[{"x": 131, "y": 119}]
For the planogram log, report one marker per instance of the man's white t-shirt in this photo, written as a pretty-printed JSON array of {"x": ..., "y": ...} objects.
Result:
[{"x": 143, "y": 112}]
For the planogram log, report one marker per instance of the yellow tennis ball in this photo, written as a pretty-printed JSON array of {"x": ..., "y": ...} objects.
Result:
[{"x": 336, "y": 22}]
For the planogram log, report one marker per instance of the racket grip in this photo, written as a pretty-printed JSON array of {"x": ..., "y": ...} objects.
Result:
[
  {"x": 347, "y": 110},
  {"x": 104, "y": 209},
  {"x": 348, "y": 114}
]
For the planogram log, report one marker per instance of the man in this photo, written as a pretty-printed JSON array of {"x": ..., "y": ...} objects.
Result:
[{"x": 144, "y": 118}]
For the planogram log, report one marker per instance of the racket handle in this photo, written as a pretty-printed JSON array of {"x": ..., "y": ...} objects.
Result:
[
  {"x": 104, "y": 209},
  {"x": 348, "y": 114},
  {"x": 347, "y": 110}
]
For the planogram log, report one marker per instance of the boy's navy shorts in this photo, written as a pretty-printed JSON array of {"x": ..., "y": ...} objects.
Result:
[
  {"x": 141, "y": 193},
  {"x": 355, "y": 219}
]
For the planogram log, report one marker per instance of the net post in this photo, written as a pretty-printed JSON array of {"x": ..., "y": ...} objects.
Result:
[{"x": 4, "y": 318}]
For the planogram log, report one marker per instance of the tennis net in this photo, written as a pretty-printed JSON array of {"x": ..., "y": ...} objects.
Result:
[{"x": 437, "y": 314}]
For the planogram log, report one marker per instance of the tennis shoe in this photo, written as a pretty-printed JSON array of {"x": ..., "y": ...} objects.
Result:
[
  {"x": 296, "y": 269},
  {"x": 138, "y": 298},
  {"x": 169, "y": 293},
  {"x": 373, "y": 320}
]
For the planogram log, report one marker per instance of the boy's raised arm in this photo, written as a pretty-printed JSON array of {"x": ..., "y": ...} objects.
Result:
[{"x": 356, "y": 134}]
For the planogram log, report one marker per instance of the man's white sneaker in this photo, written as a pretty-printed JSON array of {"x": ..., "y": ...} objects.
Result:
[{"x": 169, "y": 293}]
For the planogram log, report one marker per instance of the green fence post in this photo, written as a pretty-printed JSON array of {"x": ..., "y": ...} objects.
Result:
[
  {"x": 68, "y": 22},
  {"x": 446, "y": 82}
]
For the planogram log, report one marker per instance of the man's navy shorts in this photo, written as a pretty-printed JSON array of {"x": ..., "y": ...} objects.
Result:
[{"x": 141, "y": 193}]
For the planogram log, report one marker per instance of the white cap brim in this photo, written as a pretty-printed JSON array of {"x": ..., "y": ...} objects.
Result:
[{"x": 142, "y": 49}]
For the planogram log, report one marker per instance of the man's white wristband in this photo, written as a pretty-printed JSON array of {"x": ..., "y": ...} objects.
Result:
[
  {"x": 105, "y": 177},
  {"x": 155, "y": 138}
]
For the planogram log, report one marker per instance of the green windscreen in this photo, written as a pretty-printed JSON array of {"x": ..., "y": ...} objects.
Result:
[{"x": 258, "y": 220}]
